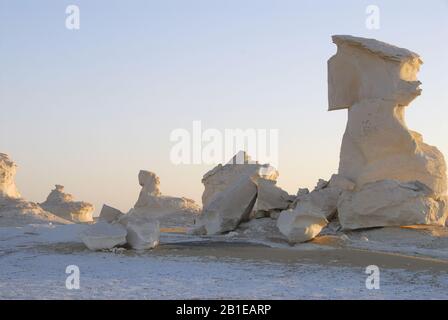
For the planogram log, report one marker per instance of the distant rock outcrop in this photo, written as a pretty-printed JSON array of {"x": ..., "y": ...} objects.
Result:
[
  {"x": 14, "y": 210},
  {"x": 63, "y": 205}
]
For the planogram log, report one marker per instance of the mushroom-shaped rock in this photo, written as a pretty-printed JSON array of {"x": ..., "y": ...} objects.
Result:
[
  {"x": 63, "y": 205},
  {"x": 103, "y": 235}
]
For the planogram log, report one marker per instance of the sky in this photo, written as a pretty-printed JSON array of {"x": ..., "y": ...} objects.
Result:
[{"x": 89, "y": 108}]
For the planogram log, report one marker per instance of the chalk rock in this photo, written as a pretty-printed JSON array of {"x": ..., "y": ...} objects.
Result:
[
  {"x": 270, "y": 196},
  {"x": 391, "y": 203},
  {"x": 63, "y": 205},
  {"x": 142, "y": 235},
  {"x": 222, "y": 176},
  {"x": 14, "y": 210},
  {"x": 110, "y": 214},
  {"x": 300, "y": 226},
  {"x": 7, "y": 177},
  {"x": 376, "y": 81},
  {"x": 103, "y": 235},
  {"x": 229, "y": 208},
  {"x": 312, "y": 212}
]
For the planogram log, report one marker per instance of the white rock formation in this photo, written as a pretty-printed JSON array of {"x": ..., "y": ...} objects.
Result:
[
  {"x": 15, "y": 211},
  {"x": 63, "y": 205},
  {"x": 270, "y": 197},
  {"x": 311, "y": 214},
  {"x": 103, "y": 235},
  {"x": 110, "y": 214},
  {"x": 376, "y": 81},
  {"x": 221, "y": 177},
  {"x": 391, "y": 203},
  {"x": 230, "y": 207},
  {"x": 142, "y": 235},
  {"x": 7, "y": 175},
  {"x": 151, "y": 200}
]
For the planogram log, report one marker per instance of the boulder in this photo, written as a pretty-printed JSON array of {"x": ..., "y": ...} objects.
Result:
[
  {"x": 300, "y": 226},
  {"x": 103, "y": 236},
  {"x": 376, "y": 81},
  {"x": 63, "y": 205},
  {"x": 270, "y": 197},
  {"x": 110, "y": 214},
  {"x": 142, "y": 235},
  {"x": 222, "y": 176},
  {"x": 391, "y": 203},
  {"x": 228, "y": 208}
]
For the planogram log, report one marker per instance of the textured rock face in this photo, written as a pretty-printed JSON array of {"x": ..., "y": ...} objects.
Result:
[
  {"x": 7, "y": 175},
  {"x": 63, "y": 205},
  {"x": 103, "y": 235},
  {"x": 391, "y": 203},
  {"x": 311, "y": 214},
  {"x": 229, "y": 207},
  {"x": 376, "y": 81},
  {"x": 110, "y": 214},
  {"x": 142, "y": 235},
  {"x": 222, "y": 176},
  {"x": 270, "y": 196}
]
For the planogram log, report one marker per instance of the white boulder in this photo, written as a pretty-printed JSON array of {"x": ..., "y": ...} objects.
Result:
[
  {"x": 63, "y": 205},
  {"x": 110, "y": 214},
  {"x": 391, "y": 203},
  {"x": 142, "y": 235},
  {"x": 103, "y": 235},
  {"x": 270, "y": 197},
  {"x": 300, "y": 226}
]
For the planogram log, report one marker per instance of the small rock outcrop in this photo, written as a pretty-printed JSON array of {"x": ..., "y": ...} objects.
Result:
[
  {"x": 63, "y": 205},
  {"x": 14, "y": 210},
  {"x": 103, "y": 236}
]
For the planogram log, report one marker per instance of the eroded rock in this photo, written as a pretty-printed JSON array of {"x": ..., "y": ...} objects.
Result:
[{"x": 103, "y": 236}]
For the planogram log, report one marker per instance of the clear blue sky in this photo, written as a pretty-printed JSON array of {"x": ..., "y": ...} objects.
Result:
[{"x": 88, "y": 109}]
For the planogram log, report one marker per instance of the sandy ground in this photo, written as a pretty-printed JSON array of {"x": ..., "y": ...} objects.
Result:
[{"x": 33, "y": 262}]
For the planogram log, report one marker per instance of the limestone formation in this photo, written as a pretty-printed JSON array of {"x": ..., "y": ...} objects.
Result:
[
  {"x": 270, "y": 197},
  {"x": 14, "y": 210},
  {"x": 221, "y": 177},
  {"x": 110, "y": 214},
  {"x": 63, "y": 205},
  {"x": 391, "y": 203},
  {"x": 311, "y": 213},
  {"x": 376, "y": 81},
  {"x": 103, "y": 236},
  {"x": 142, "y": 235},
  {"x": 7, "y": 175}
]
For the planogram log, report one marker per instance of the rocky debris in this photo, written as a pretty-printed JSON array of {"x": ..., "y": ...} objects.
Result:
[
  {"x": 270, "y": 198},
  {"x": 391, "y": 203},
  {"x": 103, "y": 236},
  {"x": 222, "y": 176},
  {"x": 7, "y": 177},
  {"x": 238, "y": 191},
  {"x": 376, "y": 81},
  {"x": 63, "y": 205},
  {"x": 14, "y": 210},
  {"x": 110, "y": 214},
  {"x": 312, "y": 212},
  {"x": 142, "y": 235}
]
